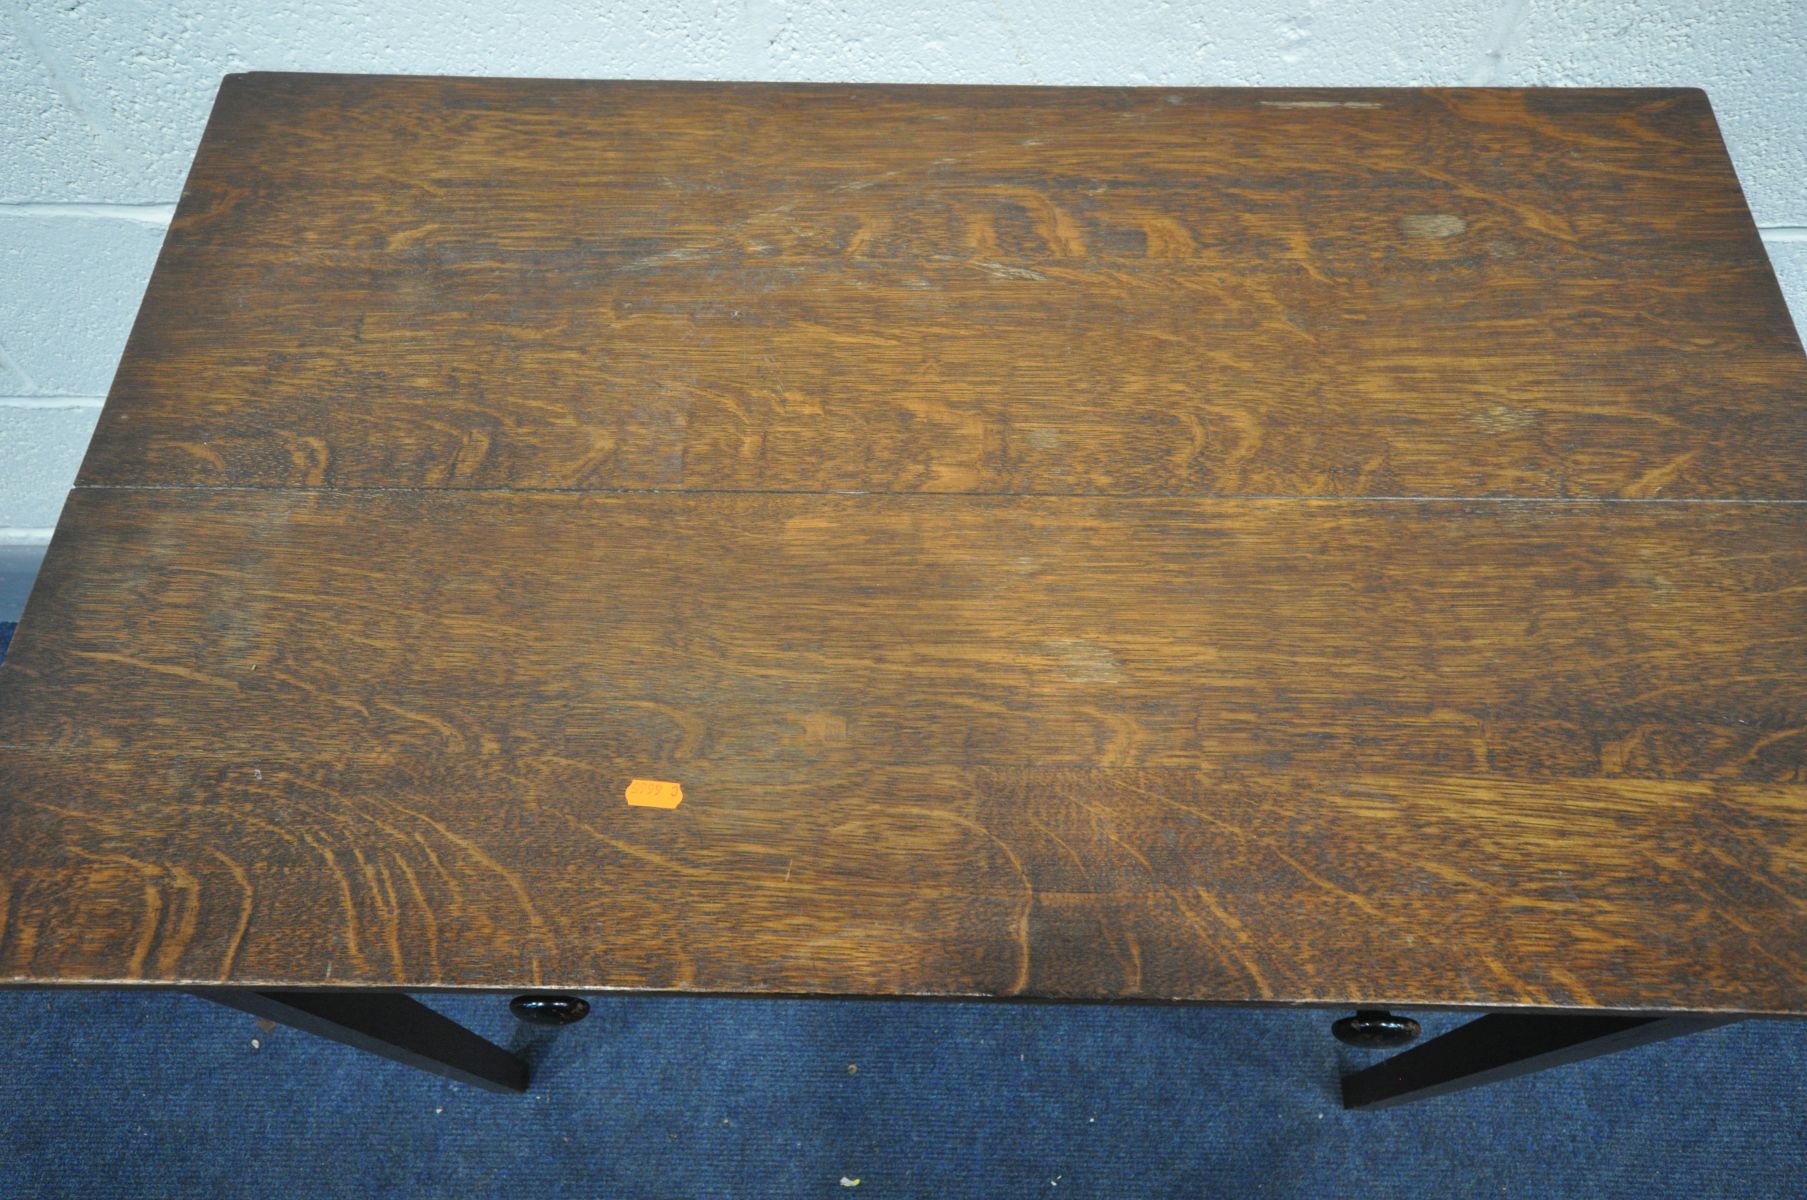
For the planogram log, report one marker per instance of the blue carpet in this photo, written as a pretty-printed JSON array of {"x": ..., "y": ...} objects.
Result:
[{"x": 110, "y": 1093}]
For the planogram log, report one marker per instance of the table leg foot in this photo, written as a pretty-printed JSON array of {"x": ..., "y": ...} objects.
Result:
[
  {"x": 1375, "y": 1029},
  {"x": 538, "y": 1008},
  {"x": 1504, "y": 1045},
  {"x": 386, "y": 1023}
]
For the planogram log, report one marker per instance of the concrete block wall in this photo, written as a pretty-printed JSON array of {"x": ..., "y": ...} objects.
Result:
[{"x": 102, "y": 102}]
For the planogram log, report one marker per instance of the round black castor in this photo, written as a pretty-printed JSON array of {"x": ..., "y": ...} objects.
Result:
[
  {"x": 1372, "y": 1029},
  {"x": 549, "y": 1010}
]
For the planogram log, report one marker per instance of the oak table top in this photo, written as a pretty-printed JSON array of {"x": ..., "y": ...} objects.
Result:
[{"x": 1220, "y": 545}]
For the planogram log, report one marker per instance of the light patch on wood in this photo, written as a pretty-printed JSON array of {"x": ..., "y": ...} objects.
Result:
[
  {"x": 1085, "y": 661},
  {"x": 825, "y": 729},
  {"x": 1504, "y": 418},
  {"x": 1432, "y": 225}
]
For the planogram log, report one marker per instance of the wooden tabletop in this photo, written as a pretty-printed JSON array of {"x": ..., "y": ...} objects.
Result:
[{"x": 1227, "y": 545}]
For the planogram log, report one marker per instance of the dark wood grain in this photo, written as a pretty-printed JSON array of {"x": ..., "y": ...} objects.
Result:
[
  {"x": 1319, "y": 547},
  {"x": 465, "y": 283},
  {"x": 1425, "y": 752}
]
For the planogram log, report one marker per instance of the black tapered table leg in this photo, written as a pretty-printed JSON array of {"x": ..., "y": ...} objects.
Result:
[
  {"x": 1503, "y": 1046},
  {"x": 390, "y": 1024}
]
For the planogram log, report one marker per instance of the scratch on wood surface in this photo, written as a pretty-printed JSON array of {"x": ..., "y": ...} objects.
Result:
[
  {"x": 1321, "y": 104},
  {"x": 1005, "y": 271},
  {"x": 860, "y": 185}
]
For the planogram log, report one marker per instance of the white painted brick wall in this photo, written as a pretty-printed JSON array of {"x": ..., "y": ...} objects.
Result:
[
  {"x": 72, "y": 285},
  {"x": 44, "y": 446},
  {"x": 1789, "y": 257},
  {"x": 102, "y": 102}
]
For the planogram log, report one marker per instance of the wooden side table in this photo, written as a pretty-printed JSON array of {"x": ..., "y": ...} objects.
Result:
[{"x": 1335, "y": 548}]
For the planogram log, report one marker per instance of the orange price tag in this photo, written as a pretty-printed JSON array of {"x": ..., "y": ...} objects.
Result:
[{"x": 654, "y": 793}]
